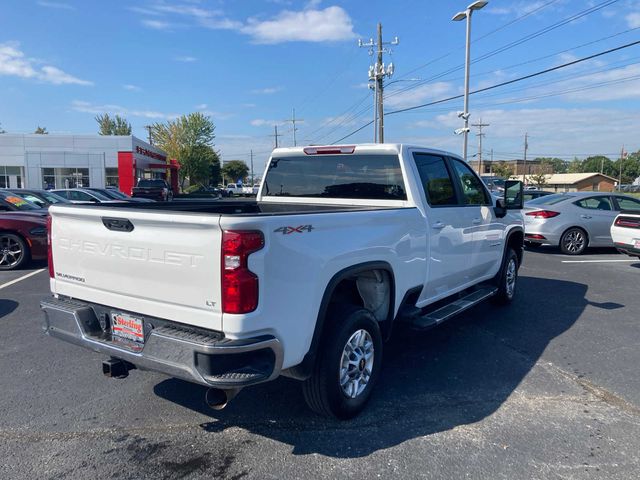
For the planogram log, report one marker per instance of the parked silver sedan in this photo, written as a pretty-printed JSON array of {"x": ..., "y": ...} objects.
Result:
[{"x": 574, "y": 220}]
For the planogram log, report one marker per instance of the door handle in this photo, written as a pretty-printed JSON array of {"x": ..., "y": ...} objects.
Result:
[
  {"x": 438, "y": 225},
  {"x": 477, "y": 221},
  {"x": 585, "y": 216}
]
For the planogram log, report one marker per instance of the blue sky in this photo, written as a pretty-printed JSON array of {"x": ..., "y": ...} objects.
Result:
[{"x": 249, "y": 63}]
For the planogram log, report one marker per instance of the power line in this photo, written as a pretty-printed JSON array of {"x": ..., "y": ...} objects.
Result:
[
  {"x": 501, "y": 84},
  {"x": 515, "y": 43}
]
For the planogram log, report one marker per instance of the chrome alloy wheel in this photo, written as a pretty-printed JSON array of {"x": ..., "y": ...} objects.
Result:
[
  {"x": 511, "y": 276},
  {"x": 356, "y": 363},
  {"x": 574, "y": 241},
  {"x": 11, "y": 252}
]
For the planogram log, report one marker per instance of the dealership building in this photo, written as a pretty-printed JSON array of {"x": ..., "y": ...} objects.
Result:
[{"x": 69, "y": 161}]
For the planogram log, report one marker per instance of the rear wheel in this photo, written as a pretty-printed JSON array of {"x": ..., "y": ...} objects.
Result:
[
  {"x": 574, "y": 241},
  {"x": 14, "y": 251},
  {"x": 347, "y": 366}
]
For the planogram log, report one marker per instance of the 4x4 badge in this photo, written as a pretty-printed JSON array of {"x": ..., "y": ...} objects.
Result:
[{"x": 290, "y": 230}]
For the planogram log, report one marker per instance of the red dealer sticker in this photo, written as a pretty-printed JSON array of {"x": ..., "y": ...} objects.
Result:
[{"x": 127, "y": 326}]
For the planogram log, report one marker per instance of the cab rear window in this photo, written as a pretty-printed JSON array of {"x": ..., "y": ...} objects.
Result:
[
  {"x": 375, "y": 177},
  {"x": 550, "y": 199}
]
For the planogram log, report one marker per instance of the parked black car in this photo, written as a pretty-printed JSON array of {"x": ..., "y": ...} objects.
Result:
[{"x": 154, "y": 189}]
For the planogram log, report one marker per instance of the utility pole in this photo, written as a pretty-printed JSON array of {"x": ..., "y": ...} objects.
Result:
[
  {"x": 622, "y": 156},
  {"x": 293, "y": 120},
  {"x": 377, "y": 72},
  {"x": 148, "y": 128},
  {"x": 480, "y": 135},
  {"x": 251, "y": 154},
  {"x": 491, "y": 164},
  {"x": 526, "y": 147},
  {"x": 276, "y": 134}
]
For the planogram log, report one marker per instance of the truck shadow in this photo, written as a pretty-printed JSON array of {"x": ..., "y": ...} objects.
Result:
[
  {"x": 431, "y": 382},
  {"x": 7, "y": 306}
]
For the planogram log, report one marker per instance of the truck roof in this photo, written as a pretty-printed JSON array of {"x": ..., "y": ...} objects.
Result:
[{"x": 362, "y": 148}]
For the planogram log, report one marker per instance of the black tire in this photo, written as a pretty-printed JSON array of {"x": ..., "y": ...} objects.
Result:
[
  {"x": 574, "y": 241},
  {"x": 14, "y": 251},
  {"x": 323, "y": 391},
  {"x": 507, "y": 279}
]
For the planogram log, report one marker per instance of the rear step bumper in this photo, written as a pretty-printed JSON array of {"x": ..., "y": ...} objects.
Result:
[{"x": 172, "y": 349}]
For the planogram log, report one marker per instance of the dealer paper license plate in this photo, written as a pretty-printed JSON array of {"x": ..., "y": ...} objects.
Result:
[
  {"x": 636, "y": 243},
  {"x": 127, "y": 326}
]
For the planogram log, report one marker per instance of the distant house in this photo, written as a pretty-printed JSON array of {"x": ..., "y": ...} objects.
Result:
[{"x": 575, "y": 182}]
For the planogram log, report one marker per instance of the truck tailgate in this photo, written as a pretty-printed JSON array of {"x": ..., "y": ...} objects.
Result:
[{"x": 160, "y": 264}]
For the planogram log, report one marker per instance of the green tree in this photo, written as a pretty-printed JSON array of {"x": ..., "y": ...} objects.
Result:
[
  {"x": 538, "y": 179},
  {"x": 234, "y": 170},
  {"x": 575, "y": 166},
  {"x": 630, "y": 168},
  {"x": 41, "y": 131},
  {"x": 552, "y": 164},
  {"x": 599, "y": 163},
  {"x": 198, "y": 163},
  {"x": 185, "y": 139},
  {"x": 115, "y": 125},
  {"x": 502, "y": 170}
]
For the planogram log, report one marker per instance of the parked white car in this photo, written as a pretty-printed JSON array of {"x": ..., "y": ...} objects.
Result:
[
  {"x": 233, "y": 189},
  {"x": 342, "y": 243},
  {"x": 625, "y": 232}
]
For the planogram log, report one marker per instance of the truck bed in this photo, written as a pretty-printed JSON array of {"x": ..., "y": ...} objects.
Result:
[{"x": 235, "y": 208}]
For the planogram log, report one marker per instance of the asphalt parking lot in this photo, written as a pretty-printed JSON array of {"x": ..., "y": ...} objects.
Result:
[{"x": 546, "y": 388}]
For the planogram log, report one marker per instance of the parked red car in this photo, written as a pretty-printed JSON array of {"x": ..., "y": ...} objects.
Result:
[{"x": 23, "y": 237}]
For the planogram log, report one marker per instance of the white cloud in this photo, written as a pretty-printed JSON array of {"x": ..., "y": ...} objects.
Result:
[
  {"x": 58, "y": 5},
  {"x": 132, "y": 88},
  {"x": 13, "y": 62},
  {"x": 633, "y": 20},
  {"x": 517, "y": 8},
  {"x": 201, "y": 106},
  {"x": 331, "y": 24},
  {"x": 261, "y": 122},
  {"x": 157, "y": 24},
  {"x": 266, "y": 91},
  {"x": 88, "y": 107},
  {"x": 308, "y": 25},
  {"x": 56, "y": 76},
  {"x": 185, "y": 59},
  {"x": 417, "y": 95}
]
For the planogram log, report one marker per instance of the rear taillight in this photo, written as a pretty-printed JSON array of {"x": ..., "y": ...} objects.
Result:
[
  {"x": 627, "y": 222},
  {"x": 239, "y": 284},
  {"x": 543, "y": 214},
  {"x": 49, "y": 247}
]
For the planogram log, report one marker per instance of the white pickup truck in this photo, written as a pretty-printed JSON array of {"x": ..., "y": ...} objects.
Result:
[{"x": 341, "y": 244}]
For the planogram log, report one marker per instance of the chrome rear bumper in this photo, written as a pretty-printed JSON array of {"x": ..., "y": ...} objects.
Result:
[{"x": 174, "y": 349}]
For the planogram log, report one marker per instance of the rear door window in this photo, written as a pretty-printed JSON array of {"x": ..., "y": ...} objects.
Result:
[
  {"x": 595, "y": 203},
  {"x": 436, "y": 179}
]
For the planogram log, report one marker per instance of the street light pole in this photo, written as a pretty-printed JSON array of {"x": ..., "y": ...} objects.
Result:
[{"x": 465, "y": 114}]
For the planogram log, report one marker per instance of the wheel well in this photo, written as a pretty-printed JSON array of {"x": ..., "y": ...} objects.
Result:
[
  {"x": 516, "y": 242},
  {"x": 370, "y": 289}
]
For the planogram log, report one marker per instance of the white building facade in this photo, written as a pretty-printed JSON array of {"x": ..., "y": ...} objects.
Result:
[{"x": 68, "y": 161}]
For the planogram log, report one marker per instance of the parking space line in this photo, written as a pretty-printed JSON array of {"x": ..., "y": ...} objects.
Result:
[
  {"x": 599, "y": 261},
  {"x": 24, "y": 277}
]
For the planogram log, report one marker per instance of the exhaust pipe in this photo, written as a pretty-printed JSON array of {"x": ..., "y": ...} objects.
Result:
[
  {"x": 116, "y": 368},
  {"x": 218, "y": 398}
]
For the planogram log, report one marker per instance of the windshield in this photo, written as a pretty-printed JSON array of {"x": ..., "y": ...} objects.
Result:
[
  {"x": 550, "y": 199},
  {"x": 18, "y": 202},
  {"x": 151, "y": 183},
  {"x": 336, "y": 176},
  {"x": 53, "y": 198}
]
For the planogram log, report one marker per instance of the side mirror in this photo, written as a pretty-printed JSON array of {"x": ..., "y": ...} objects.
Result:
[{"x": 513, "y": 198}]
